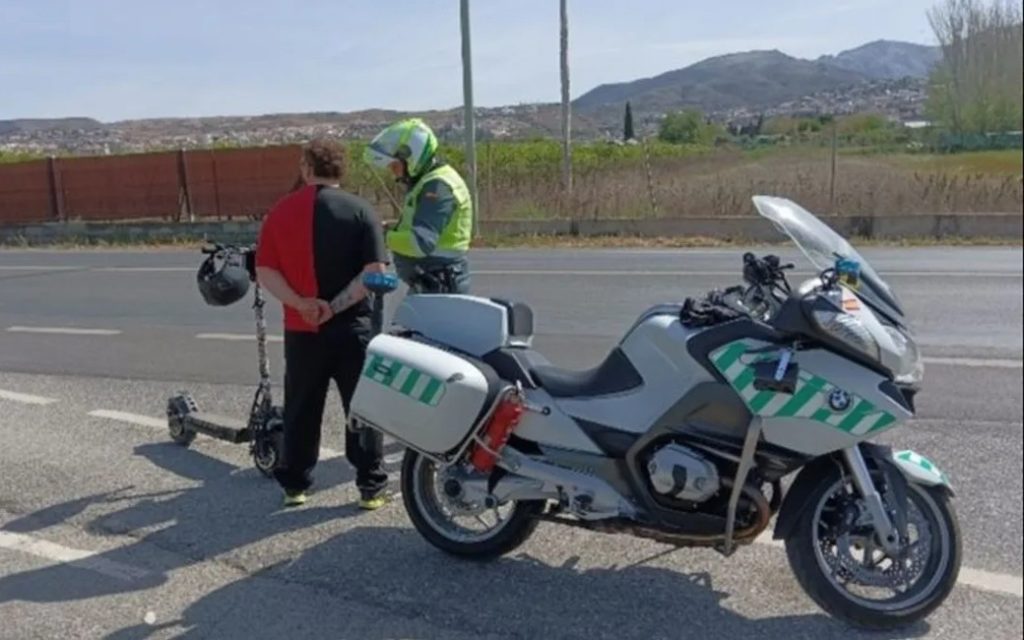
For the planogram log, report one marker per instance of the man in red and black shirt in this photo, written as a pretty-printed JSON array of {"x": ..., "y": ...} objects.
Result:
[{"x": 313, "y": 244}]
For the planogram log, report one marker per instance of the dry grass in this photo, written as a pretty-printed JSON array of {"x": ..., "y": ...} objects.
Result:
[
  {"x": 722, "y": 184},
  {"x": 985, "y": 163}
]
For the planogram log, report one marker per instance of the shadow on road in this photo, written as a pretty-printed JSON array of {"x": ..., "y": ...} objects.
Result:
[
  {"x": 229, "y": 509},
  {"x": 371, "y": 581},
  {"x": 384, "y": 582}
]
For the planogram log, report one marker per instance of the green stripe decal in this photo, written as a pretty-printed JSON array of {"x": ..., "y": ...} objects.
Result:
[
  {"x": 392, "y": 373},
  {"x": 428, "y": 394},
  {"x": 729, "y": 357},
  {"x": 822, "y": 415},
  {"x": 388, "y": 373},
  {"x": 761, "y": 401},
  {"x": 743, "y": 380},
  {"x": 802, "y": 397},
  {"x": 371, "y": 365},
  {"x": 410, "y": 382},
  {"x": 809, "y": 402},
  {"x": 859, "y": 413},
  {"x": 883, "y": 422}
]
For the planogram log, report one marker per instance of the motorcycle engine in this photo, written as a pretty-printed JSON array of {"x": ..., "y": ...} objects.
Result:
[{"x": 683, "y": 474}]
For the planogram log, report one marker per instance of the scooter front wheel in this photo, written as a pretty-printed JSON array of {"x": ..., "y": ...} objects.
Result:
[{"x": 456, "y": 525}]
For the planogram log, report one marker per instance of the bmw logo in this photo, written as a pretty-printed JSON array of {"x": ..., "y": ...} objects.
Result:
[{"x": 839, "y": 400}]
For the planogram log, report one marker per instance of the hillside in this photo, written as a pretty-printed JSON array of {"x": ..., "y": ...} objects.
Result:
[
  {"x": 32, "y": 125},
  {"x": 752, "y": 79},
  {"x": 882, "y": 77},
  {"x": 887, "y": 60}
]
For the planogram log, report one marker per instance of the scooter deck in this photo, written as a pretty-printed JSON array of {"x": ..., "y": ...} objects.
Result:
[{"x": 218, "y": 426}]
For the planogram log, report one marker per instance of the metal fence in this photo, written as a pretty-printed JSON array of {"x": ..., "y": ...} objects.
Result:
[{"x": 220, "y": 184}]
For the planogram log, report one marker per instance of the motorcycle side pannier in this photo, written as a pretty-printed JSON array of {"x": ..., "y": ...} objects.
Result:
[{"x": 420, "y": 394}]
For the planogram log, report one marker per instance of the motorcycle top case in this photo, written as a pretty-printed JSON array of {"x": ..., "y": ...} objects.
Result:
[{"x": 419, "y": 394}]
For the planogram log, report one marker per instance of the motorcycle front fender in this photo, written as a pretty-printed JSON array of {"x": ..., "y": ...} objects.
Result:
[
  {"x": 919, "y": 469},
  {"x": 914, "y": 467}
]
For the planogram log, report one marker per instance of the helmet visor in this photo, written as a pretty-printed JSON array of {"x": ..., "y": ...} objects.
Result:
[{"x": 377, "y": 158}]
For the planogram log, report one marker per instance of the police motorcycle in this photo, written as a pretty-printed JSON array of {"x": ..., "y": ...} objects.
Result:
[{"x": 684, "y": 433}]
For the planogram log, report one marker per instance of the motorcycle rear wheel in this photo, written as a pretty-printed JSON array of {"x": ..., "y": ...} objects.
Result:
[{"x": 433, "y": 515}]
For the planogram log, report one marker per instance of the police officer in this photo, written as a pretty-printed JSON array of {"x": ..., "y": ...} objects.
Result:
[{"x": 430, "y": 242}]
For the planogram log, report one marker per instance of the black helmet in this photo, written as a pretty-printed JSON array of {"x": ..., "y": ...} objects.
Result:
[{"x": 223, "y": 278}]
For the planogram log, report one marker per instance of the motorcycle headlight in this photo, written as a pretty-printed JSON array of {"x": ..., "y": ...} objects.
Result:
[
  {"x": 848, "y": 330},
  {"x": 911, "y": 367}
]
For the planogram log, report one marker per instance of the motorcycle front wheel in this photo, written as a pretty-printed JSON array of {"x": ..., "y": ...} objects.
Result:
[
  {"x": 456, "y": 526},
  {"x": 841, "y": 566}
]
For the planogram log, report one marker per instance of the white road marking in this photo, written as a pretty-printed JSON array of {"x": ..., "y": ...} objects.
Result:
[
  {"x": 60, "y": 554},
  {"x": 235, "y": 337},
  {"x": 71, "y": 331},
  {"x": 992, "y": 582},
  {"x": 992, "y": 424},
  {"x": 999, "y": 583},
  {"x": 723, "y": 273},
  {"x": 993, "y": 363},
  {"x": 130, "y": 418},
  {"x": 144, "y": 269},
  {"x": 552, "y": 272},
  {"x": 24, "y": 398}
]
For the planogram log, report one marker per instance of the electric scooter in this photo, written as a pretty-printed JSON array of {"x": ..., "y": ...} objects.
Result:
[{"x": 264, "y": 430}]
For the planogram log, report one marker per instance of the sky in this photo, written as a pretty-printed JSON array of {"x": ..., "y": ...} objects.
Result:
[{"x": 126, "y": 59}]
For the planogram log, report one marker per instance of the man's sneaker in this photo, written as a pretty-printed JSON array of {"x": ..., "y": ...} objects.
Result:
[
  {"x": 372, "y": 502},
  {"x": 294, "y": 498}
]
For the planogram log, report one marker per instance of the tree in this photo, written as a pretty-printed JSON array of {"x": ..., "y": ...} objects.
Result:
[
  {"x": 628, "y": 133},
  {"x": 977, "y": 86},
  {"x": 687, "y": 127}
]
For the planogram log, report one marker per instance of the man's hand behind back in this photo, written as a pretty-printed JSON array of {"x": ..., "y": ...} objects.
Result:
[{"x": 313, "y": 310}]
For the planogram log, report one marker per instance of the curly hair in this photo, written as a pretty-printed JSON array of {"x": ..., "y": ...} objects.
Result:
[{"x": 325, "y": 158}]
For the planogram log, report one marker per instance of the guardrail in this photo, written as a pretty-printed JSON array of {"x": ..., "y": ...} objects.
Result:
[{"x": 1001, "y": 226}]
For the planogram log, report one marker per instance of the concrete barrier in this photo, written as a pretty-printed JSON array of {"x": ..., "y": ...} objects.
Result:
[{"x": 1001, "y": 226}]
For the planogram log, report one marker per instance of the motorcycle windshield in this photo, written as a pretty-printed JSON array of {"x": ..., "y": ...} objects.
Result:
[{"x": 823, "y": 246}]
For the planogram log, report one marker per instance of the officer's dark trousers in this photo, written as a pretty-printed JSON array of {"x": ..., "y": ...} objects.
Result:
[{"x": 312, "y": 361}]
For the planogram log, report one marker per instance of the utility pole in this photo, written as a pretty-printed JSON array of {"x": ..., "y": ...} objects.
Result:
[
  {"x": 566, "y": 145},
  {"x": 470, "y": 123},
  {"x": 832, "y": 169}
]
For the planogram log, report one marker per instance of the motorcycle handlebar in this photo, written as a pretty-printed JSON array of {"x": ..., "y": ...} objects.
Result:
[{"x": 218, "y": 247}]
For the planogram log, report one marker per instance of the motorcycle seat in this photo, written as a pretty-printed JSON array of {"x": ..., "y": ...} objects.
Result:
[{"x": 615, "y": 374}]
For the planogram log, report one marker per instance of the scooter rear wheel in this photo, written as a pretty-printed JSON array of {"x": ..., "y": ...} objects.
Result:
[
  {"x": 269, "y": 443},
  {"x": 179, "y": 433},
  {"x": 178, "y": 408}
]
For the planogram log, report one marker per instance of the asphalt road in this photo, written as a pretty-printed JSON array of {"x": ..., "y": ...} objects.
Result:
[{"x": 109, "y": 531}]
